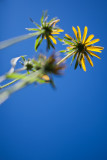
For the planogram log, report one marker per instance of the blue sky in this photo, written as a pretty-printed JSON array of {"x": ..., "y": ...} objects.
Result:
[{"x": 40, "y": 123}]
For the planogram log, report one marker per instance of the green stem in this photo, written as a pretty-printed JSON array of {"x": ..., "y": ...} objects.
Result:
[
  {"x": 1, "y": 87},
  {"x": 64, "y": 59}
]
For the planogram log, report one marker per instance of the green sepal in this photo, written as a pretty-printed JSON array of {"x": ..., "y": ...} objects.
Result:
[
  {"x": 61, "y": 40},
  {"x": 76, "y": 64},
  {"x": 37, "y": 42},
  {"x": 35, "y": 23},
  {"x": 62, "y": 51},
  {"x": 73, "y": 58}
]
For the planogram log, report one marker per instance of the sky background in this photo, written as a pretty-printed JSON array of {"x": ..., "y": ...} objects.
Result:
[{"x": 69, "y": 123}]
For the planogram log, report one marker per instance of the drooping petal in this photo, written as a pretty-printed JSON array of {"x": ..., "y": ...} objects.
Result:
[
  {"x": 79, "y": 33},
  {"x": 85, "y": 34},
  {"x": 89, "y": 59},
  {"x": 89, "y": 38},
  {"x": 92, "y": 42},
  {"x": 95, "y": 48},
  {"x": 68, "y": 36},
  {"x": 83, "y": 63},
  {"x": 75, "y": 32},
  {"x": 93, "y": 54},
  {"x": 53, "y": 39}
]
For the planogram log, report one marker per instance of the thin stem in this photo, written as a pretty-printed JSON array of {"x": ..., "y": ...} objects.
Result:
[
  {"x": 1, "y": 87},
  {"x": 64, "y": 59}
]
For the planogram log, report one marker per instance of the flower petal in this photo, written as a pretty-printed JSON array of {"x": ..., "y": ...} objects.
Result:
[
  {"x": 89, "y": 38},
  {"x": 92, "y": 42},
  {"x": 93, "y": 54},
  {"x": 83, "y": 63},
  {"x": 55, "y": 32},
  {"x": 79, "y": 33},
  {"x": 68, "y": 36},
  {"x": 75, "y": 32},
  {"x": 95, "y": 48},
  {"x": 85, "y": 34},
  {"x": 53, "y": 39},
  {"x": 89, "y": 59},
  {"x": 59, "y": 30},
  {"x": 46, "y": 77}
]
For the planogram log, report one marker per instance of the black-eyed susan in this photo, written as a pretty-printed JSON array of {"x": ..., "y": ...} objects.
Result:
[
  {"x": 47, "y": 31},
  {"x": 81, "y": 47}
]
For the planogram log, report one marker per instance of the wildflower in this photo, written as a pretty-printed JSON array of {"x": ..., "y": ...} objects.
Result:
[
  {"x": 47, "y": 30},
  {"x": 81, "y": 47}
]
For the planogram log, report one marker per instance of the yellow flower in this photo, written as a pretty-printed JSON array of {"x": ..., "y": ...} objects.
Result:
[{"x": 81, "y": 47}]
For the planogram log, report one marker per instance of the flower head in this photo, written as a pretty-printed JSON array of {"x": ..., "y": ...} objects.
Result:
[
  {"x": 47, "y": 31},
  {"x": 81, "y": 47}
]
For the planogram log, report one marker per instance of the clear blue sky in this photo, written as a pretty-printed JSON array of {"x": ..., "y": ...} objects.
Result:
[{"x": 39, "y": 123}]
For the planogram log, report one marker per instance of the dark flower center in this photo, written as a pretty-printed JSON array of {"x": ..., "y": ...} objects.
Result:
[
  {"x": 80, "y": 47},
  {"x": 47, "y": 29}
]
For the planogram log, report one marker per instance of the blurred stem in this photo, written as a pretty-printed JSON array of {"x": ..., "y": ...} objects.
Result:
[{"x": 1, "y": 87}]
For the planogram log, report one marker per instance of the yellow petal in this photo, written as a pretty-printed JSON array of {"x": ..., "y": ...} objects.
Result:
[
  {"x": 95, "y": 48},
  {"x": 55, "y": 32},
  {"x": 79, "y": 32},
  {"x": 83, "y": 63},
  {"x": 68, "y": 36},
  {"x": 53, "y": 39},
  {"x": 89, "y": 59},
  {"x": 75, "y": 32},
  {"x": 59, "y": 30},
  {"x": 44, "y": 37},
  {"x": 85, "y": 34},
  {"x": 92, "y": 42},
  {"x": 89, "y": 38},
  {"x": 46, "y": 77},
  {"x": 93, "y": 54}
]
